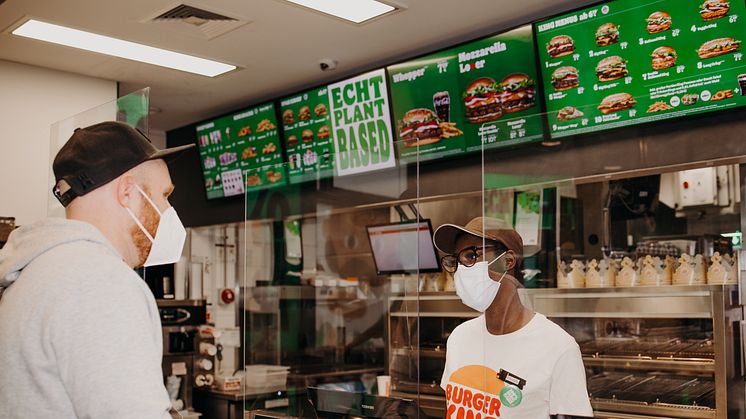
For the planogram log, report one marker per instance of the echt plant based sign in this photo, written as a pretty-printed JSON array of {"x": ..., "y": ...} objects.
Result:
[{"x": 362, "y": 124}]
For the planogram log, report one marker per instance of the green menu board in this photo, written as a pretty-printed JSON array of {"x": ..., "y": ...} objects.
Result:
[
  {"x": 630, "y": 61},
  {"x": 307, "y": 135},
  {"x": 499, "y": 88},
  {"x": 427, "y": 107},
  {"x": 241, "y": 152},
  {"x": 480, "y": 93}
]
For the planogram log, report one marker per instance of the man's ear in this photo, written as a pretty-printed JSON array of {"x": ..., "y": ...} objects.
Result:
[
  {"x": 126, "y": 190},
  {"x": 510, "y": 260}
]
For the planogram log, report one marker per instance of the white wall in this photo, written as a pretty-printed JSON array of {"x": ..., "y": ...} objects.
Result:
[{"x": 31, "y": 100}]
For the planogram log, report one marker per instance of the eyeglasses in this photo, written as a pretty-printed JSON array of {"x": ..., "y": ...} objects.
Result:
[{"x": 467, "y": 257}]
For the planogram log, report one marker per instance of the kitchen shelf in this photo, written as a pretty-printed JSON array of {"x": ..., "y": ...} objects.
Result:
[
  {"x": 668, "y": 365},
  {"x": 427, "y": 353},
  {"x": 656, "y": 409}
]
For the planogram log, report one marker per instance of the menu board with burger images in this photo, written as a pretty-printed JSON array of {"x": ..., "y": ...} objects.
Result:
[
  {"x": 428, "y": 109},
  {"x": 629, "y": 61},
  {"x": 498, "y": 86},
  {"x": 307, "y": 135},
  {"x": 241, "y": 152}
]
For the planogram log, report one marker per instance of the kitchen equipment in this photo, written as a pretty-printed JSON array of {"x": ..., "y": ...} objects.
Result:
[
  {"x": 180, "y": 320},
  {"x": 654, "y": 352}
]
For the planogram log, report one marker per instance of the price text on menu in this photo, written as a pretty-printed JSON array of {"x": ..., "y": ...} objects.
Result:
[{"x": 629, "y": 61}]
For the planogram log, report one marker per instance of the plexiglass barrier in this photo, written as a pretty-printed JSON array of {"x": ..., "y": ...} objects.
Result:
[
  {"x": 131, "y": 109},
  {"x": 344, "y": 307}
]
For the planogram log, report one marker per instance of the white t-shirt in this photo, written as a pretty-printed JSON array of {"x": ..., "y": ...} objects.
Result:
[{"x": 531, "y": 373}]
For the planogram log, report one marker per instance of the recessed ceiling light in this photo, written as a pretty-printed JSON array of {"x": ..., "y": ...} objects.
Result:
[
  {"x": 357, "y": 11},
  {"x": 118, "y": 48}
]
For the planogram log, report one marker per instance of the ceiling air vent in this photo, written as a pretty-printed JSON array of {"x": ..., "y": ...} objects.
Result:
[{"x": 207, "y": 24}]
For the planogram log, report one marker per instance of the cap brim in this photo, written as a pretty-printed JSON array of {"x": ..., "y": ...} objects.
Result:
[
  {"x": 170, "y": 153},
  {"x": 445, "y": 236}
]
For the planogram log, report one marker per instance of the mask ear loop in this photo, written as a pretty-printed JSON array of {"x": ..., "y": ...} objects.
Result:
[
  {"x": 137, "y": 221},
  {"x": 495, "y": 260},
  {"x": 139, "y": 224},
  {"x": 148, "y": 199}
]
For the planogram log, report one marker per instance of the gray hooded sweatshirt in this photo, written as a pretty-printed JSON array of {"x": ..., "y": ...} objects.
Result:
[{"x": 80, "y": 335}]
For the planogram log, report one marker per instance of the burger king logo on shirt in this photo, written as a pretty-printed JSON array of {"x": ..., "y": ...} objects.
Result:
[{"x": 478, "y": 392}]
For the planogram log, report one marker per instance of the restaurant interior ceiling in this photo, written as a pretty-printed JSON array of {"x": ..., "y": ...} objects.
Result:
[{"x": 277, "y": 45}]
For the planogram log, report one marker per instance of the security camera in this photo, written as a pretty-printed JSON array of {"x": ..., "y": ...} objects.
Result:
[{"x": 328, "y": 64}]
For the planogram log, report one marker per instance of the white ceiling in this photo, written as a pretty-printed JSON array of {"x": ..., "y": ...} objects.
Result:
[{"x": 278, "y": 52}]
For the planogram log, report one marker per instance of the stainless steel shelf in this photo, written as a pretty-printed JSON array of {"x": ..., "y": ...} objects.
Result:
[
  {"x": 427, "y": 353},
  {"x": 678, "y": 366},
  {"x": 676, "y": 302},
  {"x": 653, "y": 410}
]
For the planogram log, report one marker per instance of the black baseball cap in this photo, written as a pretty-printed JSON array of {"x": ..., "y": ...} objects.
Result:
[{"x": 98, "y": 154}]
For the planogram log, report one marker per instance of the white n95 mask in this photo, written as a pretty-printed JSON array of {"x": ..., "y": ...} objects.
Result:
[
  {"x": 474, "y": 286},
  {"x": 169, "y": 237}
]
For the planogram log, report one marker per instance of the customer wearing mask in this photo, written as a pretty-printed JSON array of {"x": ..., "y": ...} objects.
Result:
[
  {"x": 80, "y": 335},
  {"x": 509, "y": 362}
]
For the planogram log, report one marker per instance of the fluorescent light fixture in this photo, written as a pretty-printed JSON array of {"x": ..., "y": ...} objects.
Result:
[
  {"x": 357, "y": 11},
  {"x": 118, "y": 48}
]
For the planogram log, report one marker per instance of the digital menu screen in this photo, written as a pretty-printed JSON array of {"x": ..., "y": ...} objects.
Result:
[
  {"x": 241, "y": 152},
  {"x": 428, "y": 112},
  {"x": 307, "y": 135},
  {"x": 629, "y": 61},
  {"x": 480, "y": 93}
]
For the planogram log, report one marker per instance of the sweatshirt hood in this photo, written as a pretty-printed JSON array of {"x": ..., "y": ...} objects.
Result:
[{"x": 30, "y": 241}]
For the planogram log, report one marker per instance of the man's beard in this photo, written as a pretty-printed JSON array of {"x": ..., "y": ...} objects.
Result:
[{"x": 149, "y": 219}]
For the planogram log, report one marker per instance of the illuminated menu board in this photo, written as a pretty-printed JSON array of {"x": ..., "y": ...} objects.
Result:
[
  {"x": 480, "y": 93},
  {"x": 241, "y": 152},
  {"x": 630, "y": 61},
  {"x": 307, "y": 135}
]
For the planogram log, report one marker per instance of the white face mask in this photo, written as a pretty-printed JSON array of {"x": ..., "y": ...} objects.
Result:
[
  {"x": 474, "y": 285},
  {"x": 169, "y": 237}
]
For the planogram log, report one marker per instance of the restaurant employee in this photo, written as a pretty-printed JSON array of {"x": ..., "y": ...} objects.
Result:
[
  {"x": 80, "y": 335},
  {"x": 509, "y": 362}
]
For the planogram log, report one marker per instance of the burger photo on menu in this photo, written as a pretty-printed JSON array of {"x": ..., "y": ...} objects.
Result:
[
  {"x": 292, "y": 141},
  {"x": 565, "y": 78},
  {"x": 323, "y": 132},
  {"x": 663, "y": 57},
  {"x": 569, "y": 112},
  {"x": 607, "y": 34},
  {"x": 419, "y": 127},
  {"x": 616, "y": 102},
  {"x": 560, "y": 45},
  {"x": 482, "y": 101},
  {"x": 320, "y": 109},
  {"x": 714, "y": 9},
  {"x": 717, "y": 47},
  {"x": 658, "y": 22},
  {"x": 307, "y": 136},
  {"x": 288, "y": 117},
  {"x": 611, "y": 68},
  {"x": 305, "y": 113},
  {"x": 517, "y": 92}
]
